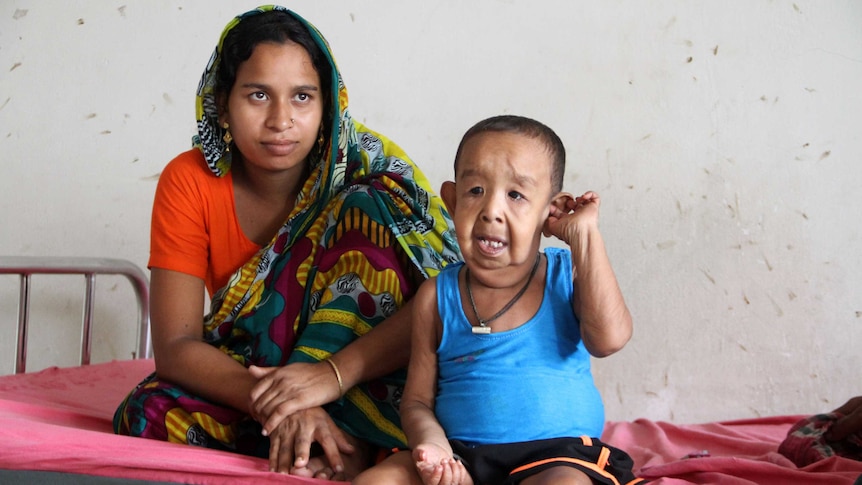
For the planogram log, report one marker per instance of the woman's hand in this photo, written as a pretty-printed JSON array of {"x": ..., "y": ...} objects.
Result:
[
  {"x": 283, "y": 391},
  {"x": 290, "y": 443}
]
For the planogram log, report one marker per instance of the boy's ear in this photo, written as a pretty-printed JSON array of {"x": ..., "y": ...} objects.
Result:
[
  {"x": 561, "y": 201},
  {"x": 447, "y": 192},
  {"x": 558, "y": 206}
]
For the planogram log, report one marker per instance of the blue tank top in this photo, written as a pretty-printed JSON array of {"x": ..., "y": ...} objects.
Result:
[{"x": 532, "y": 382}]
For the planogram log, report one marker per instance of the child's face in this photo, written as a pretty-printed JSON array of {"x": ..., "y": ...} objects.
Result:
[{"x": 502, "y": 196}]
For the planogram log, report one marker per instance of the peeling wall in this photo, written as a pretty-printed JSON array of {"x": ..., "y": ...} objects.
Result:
[{"x": 724, "y": 138}]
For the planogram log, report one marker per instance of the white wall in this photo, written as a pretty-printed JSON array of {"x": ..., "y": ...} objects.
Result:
[{"x": 724, "y": 138}]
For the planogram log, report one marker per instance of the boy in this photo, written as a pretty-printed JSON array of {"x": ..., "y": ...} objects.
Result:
[{"x": 501, "y": 344}]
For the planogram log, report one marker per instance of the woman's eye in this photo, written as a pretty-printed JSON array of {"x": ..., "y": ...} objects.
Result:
[
  {"x": 258, "y": 96},
  {"x": 303, "y": 97}
]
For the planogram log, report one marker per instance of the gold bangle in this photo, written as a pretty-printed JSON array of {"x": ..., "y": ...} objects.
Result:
[{"x": 337, "y": 376}]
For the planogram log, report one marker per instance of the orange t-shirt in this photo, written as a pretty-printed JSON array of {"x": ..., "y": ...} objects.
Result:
[{"x": 194, "y": 226}]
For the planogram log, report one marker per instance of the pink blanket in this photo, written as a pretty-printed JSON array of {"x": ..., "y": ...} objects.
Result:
[{"x": 60, "y": 420}]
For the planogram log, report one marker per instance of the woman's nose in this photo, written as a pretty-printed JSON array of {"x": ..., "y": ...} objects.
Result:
[{"x": 281, "y": 117}]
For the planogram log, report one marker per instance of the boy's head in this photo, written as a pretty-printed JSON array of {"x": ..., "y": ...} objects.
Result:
[
  {"x": 527, "y": 127},
  {"x": 508, "y": 173}
]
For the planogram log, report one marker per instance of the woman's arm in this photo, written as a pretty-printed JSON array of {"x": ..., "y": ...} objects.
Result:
[
  {"x": 181, "y": 355},
  {"x": 286, "y": 390}
]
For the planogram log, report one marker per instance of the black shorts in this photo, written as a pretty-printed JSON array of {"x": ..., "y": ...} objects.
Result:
[{"x": 512, "y": 462}]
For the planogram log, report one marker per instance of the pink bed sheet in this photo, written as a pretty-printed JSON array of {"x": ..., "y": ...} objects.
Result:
[{"x": 60, "y": 420}]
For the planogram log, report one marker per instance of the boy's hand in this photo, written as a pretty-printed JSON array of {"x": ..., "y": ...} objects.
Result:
[
  {"x": 570, "y": 216},
  {"x": 437, "y": 467}
]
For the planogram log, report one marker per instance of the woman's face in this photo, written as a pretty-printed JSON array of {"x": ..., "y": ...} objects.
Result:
[{"x": 275, "y": 107}]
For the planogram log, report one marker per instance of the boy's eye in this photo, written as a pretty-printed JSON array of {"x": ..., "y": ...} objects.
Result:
[
  {"x": 476, "y": 190},
  {"x": 516, "y": 195}
]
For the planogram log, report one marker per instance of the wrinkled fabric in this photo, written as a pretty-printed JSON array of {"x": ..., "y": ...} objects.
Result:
[{"x": 806, "y": 441}]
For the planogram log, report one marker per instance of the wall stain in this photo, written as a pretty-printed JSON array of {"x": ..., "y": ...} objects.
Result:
[
  {"x": 706, "y": 273},
  {"x": 670, "y": 23},
  {"x": 80, "y": 21},
  {"x": 825, "y": 154},
  {"x": 15, "y": 66},
  {"x": 778, "y": 310},
  {"x": 19, "y": 13},
  {"x": 766, "y": 261},
  {"x": 715, "y": 51}
]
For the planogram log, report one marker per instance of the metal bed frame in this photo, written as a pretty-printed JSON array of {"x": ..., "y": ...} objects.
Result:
[{"x": 89, "y": 267}]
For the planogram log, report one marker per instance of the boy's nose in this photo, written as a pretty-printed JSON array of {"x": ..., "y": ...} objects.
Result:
[{"x": 492, "y": 211}]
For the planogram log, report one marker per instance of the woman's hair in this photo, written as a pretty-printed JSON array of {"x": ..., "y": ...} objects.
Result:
[
  {"x": 530, "y": 128},
  {"x": 275, "y": 26}
]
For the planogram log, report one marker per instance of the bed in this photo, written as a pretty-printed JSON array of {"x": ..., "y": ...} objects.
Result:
[{"x": 55, "y": 424}]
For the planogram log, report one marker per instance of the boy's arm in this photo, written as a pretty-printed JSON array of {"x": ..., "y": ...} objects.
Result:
[
  {"x": 417, "y": 404},
  {"x": 606, "y": 324}
]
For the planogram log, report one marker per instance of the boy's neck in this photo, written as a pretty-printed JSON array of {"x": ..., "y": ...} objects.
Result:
[{"x": 484, "y": 323}]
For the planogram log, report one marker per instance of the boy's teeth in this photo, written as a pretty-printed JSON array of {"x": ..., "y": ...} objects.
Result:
[{"x": 493, "y": 244}]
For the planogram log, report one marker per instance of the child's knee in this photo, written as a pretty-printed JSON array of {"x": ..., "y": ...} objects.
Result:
[
  {"x": 398, "y": 469},
  {"x": 559, "y": 475}
]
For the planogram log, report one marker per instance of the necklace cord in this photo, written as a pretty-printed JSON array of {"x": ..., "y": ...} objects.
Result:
[{"x": 484, "y": 323}]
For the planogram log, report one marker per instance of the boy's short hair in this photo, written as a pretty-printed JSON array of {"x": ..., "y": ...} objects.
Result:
[{"x": 530, "y": 128}]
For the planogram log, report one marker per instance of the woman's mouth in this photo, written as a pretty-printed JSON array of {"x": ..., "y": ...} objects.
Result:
[{"x": 280, "y": 147}]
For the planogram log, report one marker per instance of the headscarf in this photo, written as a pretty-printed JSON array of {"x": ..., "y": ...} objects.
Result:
[{"x": 307, "y": 294}]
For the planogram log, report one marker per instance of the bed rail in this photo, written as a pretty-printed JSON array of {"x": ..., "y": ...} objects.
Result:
[{"x": 89, "y": 267}]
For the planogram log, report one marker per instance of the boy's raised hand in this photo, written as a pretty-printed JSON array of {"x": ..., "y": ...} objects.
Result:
[{"x": 570, "y": 215}]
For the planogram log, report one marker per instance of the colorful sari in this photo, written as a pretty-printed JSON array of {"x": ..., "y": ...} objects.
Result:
[{"x": 366, "y": 230}]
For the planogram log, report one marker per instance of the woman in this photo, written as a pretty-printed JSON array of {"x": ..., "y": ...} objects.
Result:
[{"x": 316, "y": 230}]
